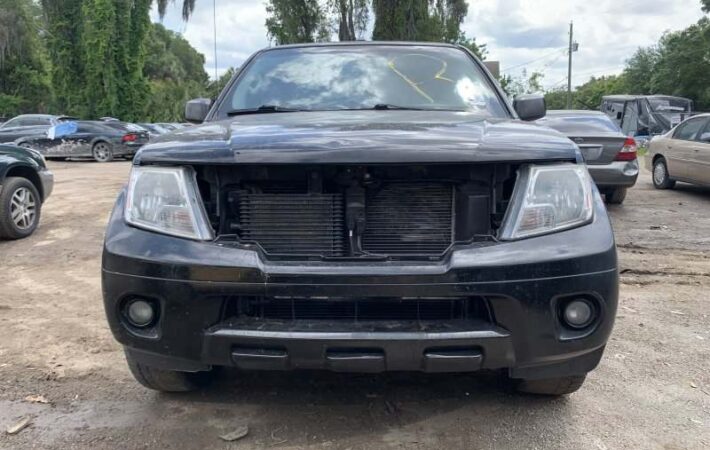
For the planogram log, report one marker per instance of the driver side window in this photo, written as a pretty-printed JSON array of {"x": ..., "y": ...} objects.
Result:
[{"x": 690, "y": 130}]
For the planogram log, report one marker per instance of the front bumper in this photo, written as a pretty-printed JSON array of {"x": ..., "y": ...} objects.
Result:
[
  {"x": 522, "y": 282},
  {"x": 46, "y": 177},
  {"x": 615, "y": 174}
]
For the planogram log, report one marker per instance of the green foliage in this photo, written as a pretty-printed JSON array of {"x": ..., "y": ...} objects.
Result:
[
  {"x": 639, "y": 71},
  {"x": 176, "y": 73},
  {"x": 479, "y": 50},
  {"x": 705, "y": 5},
  {"x": 589, "y": 95},
  {"x": 351, "y": 17},
  {"x": 419, "y": 20},
  {"x": 683, "y": 64},
  {"x": 524, "y": 84},
  {"x": 296, "y": 21},
  {"x": 24, "y": 81},
  {"x": 188, "y": 6},
  {"x": 66, "y": 53},
  {"x": 214, "y": 88}
]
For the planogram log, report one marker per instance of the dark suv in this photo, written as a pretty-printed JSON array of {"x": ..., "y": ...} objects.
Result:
[
  {"x": 362, "y": 207},
  {"x": 25, "y": 183}
]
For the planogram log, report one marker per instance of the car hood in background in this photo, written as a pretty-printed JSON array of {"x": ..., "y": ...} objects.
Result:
[{"x": 353, "y": 137}]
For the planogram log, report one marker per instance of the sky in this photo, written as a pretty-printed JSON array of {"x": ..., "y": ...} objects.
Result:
[{"x": 529, "y": 35}]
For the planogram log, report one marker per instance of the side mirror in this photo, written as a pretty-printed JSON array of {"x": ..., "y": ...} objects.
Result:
[
  {"x": 196, "y": 109},
  {"x": 530, "y": 107}
]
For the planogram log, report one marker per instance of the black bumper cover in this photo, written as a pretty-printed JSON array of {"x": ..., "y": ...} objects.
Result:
[{"x": 522, "y": 282}]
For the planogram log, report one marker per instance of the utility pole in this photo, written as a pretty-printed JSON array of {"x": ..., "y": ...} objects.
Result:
[
  {"x": 573, "y": 47},
  {"x": 214, "y": 24}
]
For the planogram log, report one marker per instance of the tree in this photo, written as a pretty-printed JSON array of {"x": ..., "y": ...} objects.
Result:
[
  {"x": 351, "y": 17},
  {"x": 66, "y": 53},
  {"x": 188, "y": 7},
  {"x": 639, "y": 71},
  {"x": 588, "y": 95},
  {"x": 296, "y": 21},
  {"x": 419, "y": 20},
  {"x": 176, "y": 74},
  {"x": 683, "y": 64},
  {"x": 24, "y": 82},
  {"x": 705, "y": 5},
  {"x": 524, "y": 84}
]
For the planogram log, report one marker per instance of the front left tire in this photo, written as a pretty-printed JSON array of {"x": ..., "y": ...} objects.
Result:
[
  {"x": 20, "y": 208},
  {"x": 615, "y": 197},
  {"x": 551, "y": 386},
  {"x": 167, "y": 380}
]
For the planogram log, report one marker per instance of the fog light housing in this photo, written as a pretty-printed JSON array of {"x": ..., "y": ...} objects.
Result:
[
  {"x": 140, "y": 313},
  {"x": 578, "y": 313}
]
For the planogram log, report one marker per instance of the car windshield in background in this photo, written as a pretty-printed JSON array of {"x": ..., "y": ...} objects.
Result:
[
  {"x": 662, "y": 105},
  {"x": 362, "y": 77},
  {"x": 588, "y": 123}
]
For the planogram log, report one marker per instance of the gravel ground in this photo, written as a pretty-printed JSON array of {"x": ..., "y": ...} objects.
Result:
[{"x": 652, "y": 389}]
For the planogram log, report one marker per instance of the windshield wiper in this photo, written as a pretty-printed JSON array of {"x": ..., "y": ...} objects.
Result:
[
  {"x": 263, "y": 109},
  {"x": 387, "y": 106}
]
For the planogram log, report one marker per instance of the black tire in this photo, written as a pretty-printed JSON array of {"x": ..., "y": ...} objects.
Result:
[
  {"x": 551, "y": 386},
  {"x": 20, "y": 208},
  {"x": 167, "y": 380},
  {"x": 102, "y": 152},
  {"x": 616, "y": 197},
  {"x": 661, "y": 177}
]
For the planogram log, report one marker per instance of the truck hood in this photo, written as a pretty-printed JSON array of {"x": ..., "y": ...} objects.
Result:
[{"x": 360, "y": 137}]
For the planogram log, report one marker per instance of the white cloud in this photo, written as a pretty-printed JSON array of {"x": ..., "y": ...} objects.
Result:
[{"x": 516, "y": 31}]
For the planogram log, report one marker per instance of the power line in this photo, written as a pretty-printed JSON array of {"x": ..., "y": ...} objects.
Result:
[{"x": 507, "y": 69}]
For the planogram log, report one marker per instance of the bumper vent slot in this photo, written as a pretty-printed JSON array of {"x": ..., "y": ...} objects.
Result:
[
  {"x": 350, "y": 310},
  {"x": 293, "y": 224},
  {"x": 409, "y": 219}
]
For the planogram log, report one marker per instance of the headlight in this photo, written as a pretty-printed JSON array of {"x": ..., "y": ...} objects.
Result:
[
  {"x": 165, "y": 199},
  {"x": 547, "y": 199}
]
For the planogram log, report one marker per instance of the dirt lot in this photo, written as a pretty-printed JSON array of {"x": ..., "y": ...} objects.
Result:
[{"x": 652, "y": 389}]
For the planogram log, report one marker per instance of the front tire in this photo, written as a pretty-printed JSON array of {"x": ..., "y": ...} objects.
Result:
[
  {"x": 661, "y": 176},
  {"x": 551, "y": 386},
  {"x": 167, "y": 380},
  {"x": 616, "y": 197},
  {"x": 20, "y": 208},
  {"x": 102, "y": 152}
]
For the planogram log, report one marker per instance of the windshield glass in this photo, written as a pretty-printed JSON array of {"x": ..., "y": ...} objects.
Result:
[
  {"x": 668, "y": 104},
  {"x": 599, "y": 123},
  {"x": 360, "y": 77}
]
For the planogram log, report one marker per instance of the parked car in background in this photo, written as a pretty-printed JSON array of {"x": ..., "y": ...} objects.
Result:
[
  {"x": 28, "y": 125},
  {"x": 154, "y": 129},
  {"x": 101, "y": 141},
  {"x": 610, "y": 155},
  {"x": 645, "y": 116},
  {"x": 682, "y": 154},
  {"x": 25, "y": 184},
  {"x": 362, "y": 207}
]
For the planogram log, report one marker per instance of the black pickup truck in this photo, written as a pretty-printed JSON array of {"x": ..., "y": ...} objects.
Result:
[{"x": 362, "y": 207}]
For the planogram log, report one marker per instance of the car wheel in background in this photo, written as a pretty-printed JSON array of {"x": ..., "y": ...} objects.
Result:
[
  {"x": 167, "y": 380},
  {"x": 615, "y": 197},
  {"x": 660, "y": 175},
  {"x": 551, "y": 386},
  {"x": 102, "y": 152},
  {"x": 20, "y": 207}
]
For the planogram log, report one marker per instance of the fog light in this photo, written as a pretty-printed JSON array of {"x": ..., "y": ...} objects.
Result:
[
  {"x": 140, "y": 313},
  {"x": 578, "y": 313}
]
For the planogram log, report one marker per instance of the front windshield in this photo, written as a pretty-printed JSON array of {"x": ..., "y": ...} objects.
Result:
[
  {"x": 360, "y": 77},
  {"x": 669, "y": 104}
]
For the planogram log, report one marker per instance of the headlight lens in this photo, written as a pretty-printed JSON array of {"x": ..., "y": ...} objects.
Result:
[
  {"x": 165, "y": 199},
  {"x": 548, "y": 198}
]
